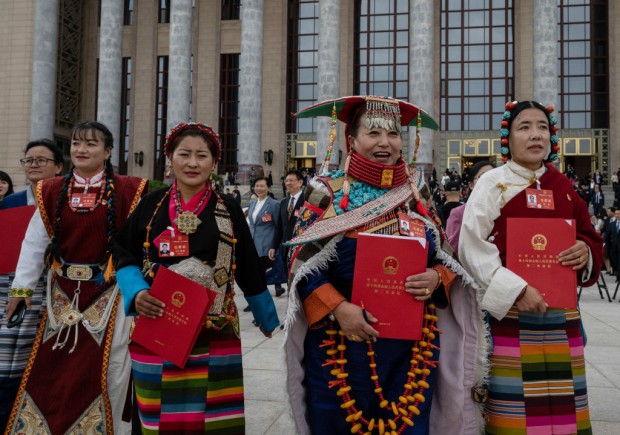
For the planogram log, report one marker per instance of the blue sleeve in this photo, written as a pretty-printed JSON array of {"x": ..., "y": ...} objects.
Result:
[
  {"x": 130, "y": 281},
  {"x": 264, "y": 310}
]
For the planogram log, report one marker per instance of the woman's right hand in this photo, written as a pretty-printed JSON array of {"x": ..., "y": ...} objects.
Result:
[
  {"x": 11, "y": 305},
  {"x": 352, "y": 322},
  {"x": 532, "y": 301},
  {"x": 148, "y": 306}
]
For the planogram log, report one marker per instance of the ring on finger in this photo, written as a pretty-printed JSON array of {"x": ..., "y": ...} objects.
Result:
[
  {"x": 427, "y": 292},
  {"x": 353, "y": 337}
]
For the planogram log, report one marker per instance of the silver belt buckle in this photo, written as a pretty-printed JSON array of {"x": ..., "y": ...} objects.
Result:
[{"x": 78, "y": 272}]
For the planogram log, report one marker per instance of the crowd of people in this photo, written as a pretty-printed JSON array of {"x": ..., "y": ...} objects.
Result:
[{"x": 492, "y": 356}]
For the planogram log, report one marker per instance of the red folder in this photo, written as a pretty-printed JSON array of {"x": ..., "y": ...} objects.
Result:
[
  {"x": 173, "y": 335},
  {"x": 532, "y": 248},
  {"x": 382, "y": 263},
  {"x": 14, "y": 223}
]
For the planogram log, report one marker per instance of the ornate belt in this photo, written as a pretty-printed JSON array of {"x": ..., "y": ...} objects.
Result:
[{"x": 80, "y": 272}]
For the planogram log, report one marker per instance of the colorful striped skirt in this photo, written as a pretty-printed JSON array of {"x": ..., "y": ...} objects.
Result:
[
  {"x": 538, "y": 382},
  {"x": 205, "y": 397}
]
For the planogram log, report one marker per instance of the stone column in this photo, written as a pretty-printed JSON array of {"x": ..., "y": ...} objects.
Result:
[
  {"x": 44, "y": 57},
  {"x": 421, "y": 77},
  {"x": 329, "y": 74},
  {"x": 179, "y": 69},
  {"x": 250, "y": 91},
  {"x": 111, "y": 70},
  {"x": 545, "y": 52}
]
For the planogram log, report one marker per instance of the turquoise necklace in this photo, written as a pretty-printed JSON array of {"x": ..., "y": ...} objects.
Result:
[{"x": 361, "y": 193}]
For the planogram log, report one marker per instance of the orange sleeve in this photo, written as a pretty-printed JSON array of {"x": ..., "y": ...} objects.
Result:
[
  {"x": 321, "y": 302},
  {"x": 447, "y": 278}
]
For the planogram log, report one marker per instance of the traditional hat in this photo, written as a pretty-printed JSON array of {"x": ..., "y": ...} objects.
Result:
[{"x": 183, "y": 126}]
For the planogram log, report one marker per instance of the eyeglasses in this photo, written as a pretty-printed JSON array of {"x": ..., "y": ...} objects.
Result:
[{"x": 40, "y": 161}]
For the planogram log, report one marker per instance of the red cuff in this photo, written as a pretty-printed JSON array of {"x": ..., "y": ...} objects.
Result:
[{"x": 321, "y": 302}]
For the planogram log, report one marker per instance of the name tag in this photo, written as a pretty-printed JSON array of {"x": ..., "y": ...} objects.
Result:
[
  {"x": 83, "y": 200},
  {"x": 177, "y": 246},
  {"x": 540, "y": 199}
]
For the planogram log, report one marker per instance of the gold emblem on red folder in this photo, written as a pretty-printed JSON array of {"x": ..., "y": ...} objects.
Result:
[
  {"x": 539, "y": 242},
  {"x": 178, "y": 299},
  {"x": 390, "y": 265}
]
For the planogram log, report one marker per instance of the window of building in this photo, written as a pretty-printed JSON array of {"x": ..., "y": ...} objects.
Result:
[
  {"x": 476, "y": 63},
  {"x": 583, "y": 67},
  {"x": 126, "y": 85},
  {"x": 302, "y": 74},
  {"x": 229, "y": 111},
  {"x": 230, "y": 9},
  {"x": 161, "y": 117},
  {"x": 128, "y": 13},
  {"x": 381, "y": 55},
  {"x": 164, "y": 12}
]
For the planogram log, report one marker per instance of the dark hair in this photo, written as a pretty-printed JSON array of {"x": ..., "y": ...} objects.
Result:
[
  {"x": 5, "y": 177},
  {"x": 473, "y": 171},
  {"x": 262, "y": 179},
  {"x": 521, "y": 106},
  {"x": 56, "y": 151},
  {"x": 194, "y": 132},
  {"x": 296, "y": 173},
  {"x": 354, "y": 123},
  {"x": 80, "y": 130}
]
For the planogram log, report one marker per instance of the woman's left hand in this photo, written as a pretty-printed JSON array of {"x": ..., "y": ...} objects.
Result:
[
  {"x": 576, "y": 256},
  {"x": 423, "y": 284}
]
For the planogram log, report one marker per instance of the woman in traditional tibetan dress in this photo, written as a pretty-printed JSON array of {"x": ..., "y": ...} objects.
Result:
[
  {"x": 537, "y": 381},
  {"x": 199, "y": 226},
  {"x": 78, "y": 372},
  {"x": 386, "y": 384}
]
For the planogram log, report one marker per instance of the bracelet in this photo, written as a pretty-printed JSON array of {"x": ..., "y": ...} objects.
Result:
[
  {"x": 20, "y": 293},
  {"x": 438, "y": 278}
]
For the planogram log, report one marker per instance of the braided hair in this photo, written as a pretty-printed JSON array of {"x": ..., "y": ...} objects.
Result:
[{"x": 52, "y": 253}]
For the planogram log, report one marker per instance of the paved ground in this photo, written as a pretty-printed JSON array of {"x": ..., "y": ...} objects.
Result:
[{"x": 264, "y": 378}]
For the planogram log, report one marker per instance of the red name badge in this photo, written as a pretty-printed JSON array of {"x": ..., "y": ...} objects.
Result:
[
  {"x": 177, "y": 246},
  {"x": 541, "y": 199},
  {"x": 408, "y": 226},
  {"x": 266, "y": 218},
  {"x": 83, "y": 200}
]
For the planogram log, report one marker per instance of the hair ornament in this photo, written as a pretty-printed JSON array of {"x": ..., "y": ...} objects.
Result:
[{"x": 204, "y": 128}]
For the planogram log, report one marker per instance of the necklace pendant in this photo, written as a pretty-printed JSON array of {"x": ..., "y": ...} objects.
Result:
[{"x": 187, "y": 222}]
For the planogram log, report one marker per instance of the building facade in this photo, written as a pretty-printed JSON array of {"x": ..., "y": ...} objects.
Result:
[{"x": 141, "y": 67}]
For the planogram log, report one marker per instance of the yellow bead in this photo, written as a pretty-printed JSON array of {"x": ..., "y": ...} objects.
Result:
[
  {"x": 392, "y": 424},
  {"x": 408, "y": 386},
  {"x": 426, "y": 330},
  {"x": 358, "y": 415},
  {"x": 147, "y": 245},
  {"x": 378, "y": 390},
  {"x": 234, "y": 267},
  {"x": 374, "y": 377},
  {"x": 419, "y": 397},
  {"x": 423, "y": 384},
  {"x": 331, "y": 332},
  {"x": 148, "y": 228},
  {"x": 349, "y": 418},
  {"x": 432, "y": 306},
  {"x": 394, "y": 408},
  {"x": 340, "y": 332},
  {"x": 403, "y": 411},
  {"x": 356, "y": 428},
  {"x": 383, "y": 404},
  {"x": 342, "y": 391},
  {"x": 372, "y": 366},
  {"x": 209, "y": 324},
  {"x": 410, "y": 399},
  {"x": 334, "y": 372},
  {"x": 342, "y": 347},
  {"x": 234, "y": 240},
  {"x": 381, "y": 427},
  {"x": 371, "y": 424},
  {"x": 431, "y": 336},
  {"x": 426, "y": 372},
  {"x": 341, "y": 361},
  {"x": 427, "y": 353},
  {"x": 406, "y": 420},
  {"x": 427, "y": 317},
  {"x": 419, "y": 357},
  {"x": 415, "y": 349},
  {"x": 342, "y": 375},
  {"x": 348, "y": 404},
  {"x": 414, "y": 385},
  {"x": 402, "y": 400},
  {"x": 331, "y": 352},
  {"x": 370, "y": 353},
  {"x": 411, "y": 374},
  {"x": 423, "y": 344},
  {"x": 417, "y": 371},
  {"x": 414, "y": 409}
]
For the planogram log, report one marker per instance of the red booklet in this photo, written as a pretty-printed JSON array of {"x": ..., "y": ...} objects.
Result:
[
  {"x": 532, "y": 248},
  {"x": 382, "y": 263},
  {"x": 173, "y": 335},
  {"x": 15, "y": 223}
]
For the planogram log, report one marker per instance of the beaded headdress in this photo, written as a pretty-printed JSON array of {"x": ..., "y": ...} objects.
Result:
[
  {"x": 183, "y": 126},
  {"x": 381, "y": 112},
  {"x": 513, "y": 108}
]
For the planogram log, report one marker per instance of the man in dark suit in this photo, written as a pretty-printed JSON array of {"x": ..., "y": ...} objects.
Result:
[
  {"x": 614, "y": 243},
  {"x": 610, "y": 218},
  {"x": 289, "y": 212},
  {"x": 598, "y": 201}
]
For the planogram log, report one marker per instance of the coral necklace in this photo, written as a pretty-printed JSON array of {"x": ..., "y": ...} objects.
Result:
[
  {"x": 188, "y": 221},
  {"x": 407, "y": 407}
]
